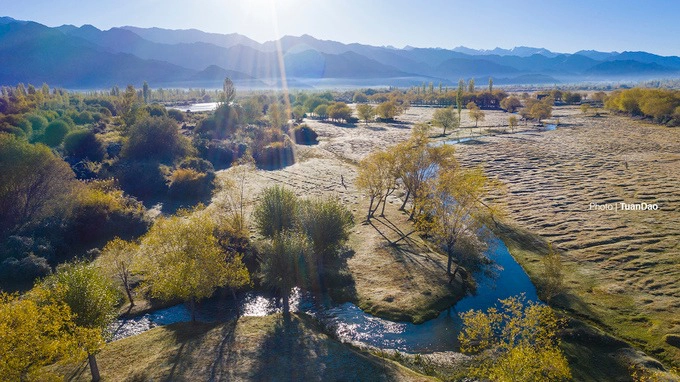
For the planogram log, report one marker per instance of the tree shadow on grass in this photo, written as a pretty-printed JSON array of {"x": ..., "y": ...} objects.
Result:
[{"x": 297, "y": 351}]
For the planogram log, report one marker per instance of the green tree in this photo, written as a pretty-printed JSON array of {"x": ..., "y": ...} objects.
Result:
[
  {"x": 365, "y": 112},
  {"x": 520, "y": 341},
  {"x": 156, "y": 138},
  {"x": 276, "y": 211},
  {"x": 446, "y": 118},
  {"x": 182, "y": 260},
  {"x": 276, "y": 114},
  {"x": 146, "y": 93},
  {"x": 459, "y": 97},
  {"x": 117, "y": 260},
  {"x": 388, "y": 110},
  {"x": 286, "y": 265},
  {"x": 34, "y": 183},
  {"x": 321, "y": 111},
  {"x": 55, "y": 133},
  {"x": 490, "y": 84},
  {"x": 326, "y": 223},
  {"x": 83, "y": 144},
  {"x": 471, "y": 85},
  {"x": 92, "y": 298},
  {"x": 585, "y": 108}
]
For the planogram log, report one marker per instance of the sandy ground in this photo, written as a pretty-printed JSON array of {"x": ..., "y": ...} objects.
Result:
[{"x": 623, "y": 266}]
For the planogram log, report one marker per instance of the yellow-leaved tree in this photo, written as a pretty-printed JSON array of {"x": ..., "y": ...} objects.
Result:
[
  {"x": 181, "y": 259},
  {"x": 516, "y": 342},
  {"x": 34, "y": 332}
]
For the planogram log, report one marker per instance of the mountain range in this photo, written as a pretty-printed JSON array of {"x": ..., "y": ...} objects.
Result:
[{"x": 86, "y": 57}]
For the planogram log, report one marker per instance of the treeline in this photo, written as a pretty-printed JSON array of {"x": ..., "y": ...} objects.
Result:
[{"x": 660, "y": 105}]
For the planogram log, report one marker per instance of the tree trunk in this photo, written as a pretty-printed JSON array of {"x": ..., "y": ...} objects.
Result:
[
  {"x": 94, "y": 369},
  {"x": 193, "y": 309},
  {"x": 382, "y": 213},
  {"x": 403, "y": 205},
  {"x": 286, "y": 306},
  {"x": 129, "y": 294},
  {"x": 370, "y": 207}
]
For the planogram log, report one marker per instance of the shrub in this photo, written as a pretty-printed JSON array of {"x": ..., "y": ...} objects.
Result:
[
  {"x": 55, "y": 133},
  {"x": 156, "y": 110},
  {"x": 305, "y": 135},
  {"x": 277, "y": 211},
  {"x": 218, "y": 153},
  {"x": 142, "y": 179},
  {"x": 83, "y": 144},
  {"x": 175, "y": 114},
  {"x": 274, "y": 156},
  {"x": 188, "y": 184},
  {"x": 156, "y": 138},
  {"x": 102, "y": 212}
]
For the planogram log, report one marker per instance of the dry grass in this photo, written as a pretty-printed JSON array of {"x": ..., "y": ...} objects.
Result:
[
  {"x": 251, "y": 349},
  {"x": 622, "y": 267}
]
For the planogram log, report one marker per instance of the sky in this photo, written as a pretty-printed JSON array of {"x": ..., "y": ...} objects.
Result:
[{"x": 560, "y": 26}]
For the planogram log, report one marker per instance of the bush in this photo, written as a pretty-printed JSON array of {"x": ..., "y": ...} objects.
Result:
[
  {"x": 190, "y": 185},
  {"x": 156, "y": 138},
  {"x": 55, "y": 133},
  {"x": 83, "y": 144},
  {"x": 175, "y": 114},
  {"x": 274, "y": 156},
  {"x": 277, "y": 211},
  {"x": 102, "y": 212},
  {"x": 218, "y": 153},
  {"x": 197, "y": 164},
  {"x": 142, "y": 179},
  {"x": 305, "y": 135},
  {"x": 157, "y": 110}
]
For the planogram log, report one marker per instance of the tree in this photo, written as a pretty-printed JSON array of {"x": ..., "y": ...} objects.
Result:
[
  {"x": 512, "y": 122},
  {"x": 286, "y": 258},
  {"x": 83, "y": 144},
  {"x": 156, "y": 138},
  {"x": 490, "y": 84},
  {"x": 321, "y": 111},
  {"x": 377, "y": 176},
  {"x": 276, "y": 211},
  {"x": 511, "y": 104},
  {"x": 446, "y": 118},
  {"x": 326, "y": 223},
  {"x": 455, "y": 211},
  {"x": 182, "y": 260},
  {"x": 92, "y": 298},
  {"x": 34, "y": 183},
  {"x": 387, "y": 110},
  {"x": 34, "y": 334},
  {"x": 471, "y": 85},
  {"x": 55, "y": 133},
  {"x": 520, "y": 339},
  {"x": 459, "y": 97},
  {"x": 365, "y": 112},
  {"x": 229, "y": 92},
  {"x": 541, "y": 110},
  {"x": 475, "y": 112},
  {"x": 585, "y": 108},
  {"x": 418, "y": 161},
  {"x": 339, "y": 111},
  {"x": 146, "y": 93},
  {"x": 117, "y": 260},
  {"x": 276, "y": 115}
]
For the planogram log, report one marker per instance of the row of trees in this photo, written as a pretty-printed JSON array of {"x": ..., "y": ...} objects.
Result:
[{"x": 661, "y": 105}]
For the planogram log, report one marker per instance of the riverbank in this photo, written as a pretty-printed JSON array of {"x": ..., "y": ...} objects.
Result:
[
  {"x": 621, "y": 267},
  {"x": 248, "y": 349}
]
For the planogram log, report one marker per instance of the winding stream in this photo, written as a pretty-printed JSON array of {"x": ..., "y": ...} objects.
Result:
[{"x": 351, "y": 324}]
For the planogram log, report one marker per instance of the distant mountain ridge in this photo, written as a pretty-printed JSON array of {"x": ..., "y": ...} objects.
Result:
[{"x": 86, "y": 57}]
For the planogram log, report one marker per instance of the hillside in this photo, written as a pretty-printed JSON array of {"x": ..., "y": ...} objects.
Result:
[{"x": 82, "y": 57}]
